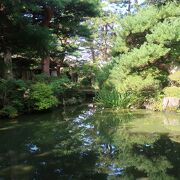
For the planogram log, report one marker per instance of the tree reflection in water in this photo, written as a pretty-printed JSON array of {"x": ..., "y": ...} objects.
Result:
[{"x": 79, "y": 143}]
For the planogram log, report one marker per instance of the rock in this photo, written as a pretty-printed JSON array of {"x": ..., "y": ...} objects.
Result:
[{"x": 171, "y": 103}]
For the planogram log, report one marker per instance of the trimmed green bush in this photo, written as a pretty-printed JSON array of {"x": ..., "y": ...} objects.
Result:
[
  {"x": 41, "y": 96},
  {"x": 175, "y": 77},
  {"x": 172, "y": 91}
]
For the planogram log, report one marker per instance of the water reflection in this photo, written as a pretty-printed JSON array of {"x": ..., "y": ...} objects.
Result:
[{"x": 85, "y": 143}]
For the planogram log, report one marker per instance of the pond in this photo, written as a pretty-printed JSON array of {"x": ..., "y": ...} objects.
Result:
[{"x": 86, "y": 143}]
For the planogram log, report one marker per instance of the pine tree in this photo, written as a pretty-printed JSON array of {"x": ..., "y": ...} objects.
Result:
[
  {"x": 146, "y": 45},
  {"x": 35, "y": 27}
]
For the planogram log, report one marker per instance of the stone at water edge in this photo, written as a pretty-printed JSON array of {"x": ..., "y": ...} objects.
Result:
[{"x": 171, "y": 103}]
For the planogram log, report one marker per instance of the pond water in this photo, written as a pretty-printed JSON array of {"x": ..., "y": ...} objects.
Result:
[{"x": 86, "y": 143}]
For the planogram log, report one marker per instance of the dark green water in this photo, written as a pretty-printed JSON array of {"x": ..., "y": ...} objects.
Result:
[{"x": 79, "y": 143}]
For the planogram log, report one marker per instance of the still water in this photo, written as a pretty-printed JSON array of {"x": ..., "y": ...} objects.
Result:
[{"x": 84, "y": 143}]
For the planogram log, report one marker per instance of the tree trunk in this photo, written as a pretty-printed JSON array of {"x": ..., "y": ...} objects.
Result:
[
  {"x": 46, "y": 65},
  {"x": 58, "y": 69},
  {"x": 93, "y": 53},
  {"x": 8, "y": 72},
  {"x": 129, "y": 6},
  {"x": 47, "y": 16}
]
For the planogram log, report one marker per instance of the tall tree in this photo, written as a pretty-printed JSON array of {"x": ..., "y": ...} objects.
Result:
[
  {"x": 20, "y": 31},
  {"x": 144, "y": 51},
  {"x": 38, "y": 25}
]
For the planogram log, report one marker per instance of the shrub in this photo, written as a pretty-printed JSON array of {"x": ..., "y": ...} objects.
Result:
[
  {"x": 172, "y": 91},
  {"x": 111, "y": 98},
  {"x": 41, "y": 78},
  {"x": 12, "y": 93},
  {"x": 86, "y": 81},
  {"x": 175, "y": 77},
  {"x": 57, "y": 84},
  {"x": 9, "y": 111},
  {"x": 103, "y": 74},
  {"x": 41, "y": 96},
  {"x": 157, "y": 104},
  {"x": 60, "y": 84}
]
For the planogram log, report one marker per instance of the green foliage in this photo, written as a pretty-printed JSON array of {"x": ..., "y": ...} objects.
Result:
[
  {"x": 39, "y": 39},
  {"x": 157, "y": 102},
  {"x": 36, "y": 28},
  {"x": 172, "y": 91},
  {"x": 165, "y": 32},
  {"x": 9, "y": 111},
  {"x": 137, "y": 59},
  {"x": 157, "y": 105},
  {"x": 175, "y": 77},
  {"x": 60, "y": 85},
  {"x": 131, "y": 33},
  {"x": 41, "y": 96},
  {"x": 146, "y": 18},
  {"x": 32, "y": 30},
  {"x": 142, "y": 50},
  {"x": 57, "y": 84},
  {"x": 103, "y": 74},
  {"x": 86, "y": 81},
  {"x": 111, "y": 98},
  {"x": 12, "y": 100},
  {"x": 41, "y": 78},
  {"x": 18, "y": 96},
  {"x": 69, "y": 18},
  {"x": 12, "y": 93},
  {"x": 86, "y": 74}
]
